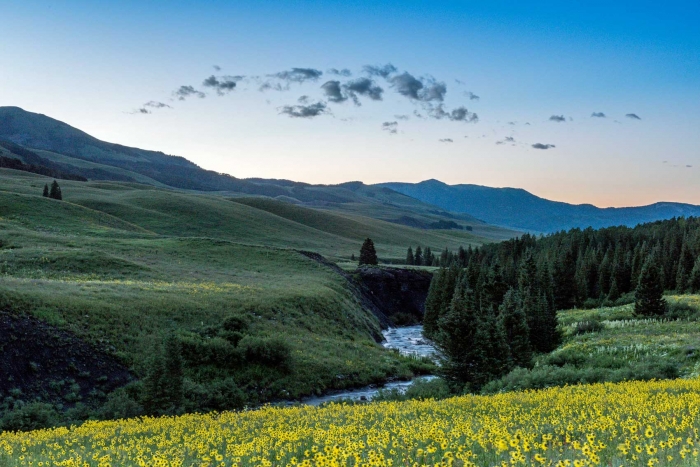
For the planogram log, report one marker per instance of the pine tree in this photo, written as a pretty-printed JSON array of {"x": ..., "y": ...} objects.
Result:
[
  {"x": 46, "y": 190},
  {"x": 410, "y": 260},
  {"x": 565, "y": 282},
  {"x": 154, "y": 398},
  {"x": 514, "y": 323},
  {"x": 428, "y": 256},
  {"x": 493, "y": 288},
  {"x": 461, "y": 340},
  {"x": 614, "y": 293},
  {"x": 649, "y": 299},
  {"x": 549, "y": 337},
  {"x": 433, "y": 303},
  {"x": 497, "y": 358},
  {"x": 174, "y": 376},
  {"x": 368, "y": 255},
  {"x": 694, "y": 280},
  {"x": 418, "y": 257},
  {"x": 55, "y": 192}
]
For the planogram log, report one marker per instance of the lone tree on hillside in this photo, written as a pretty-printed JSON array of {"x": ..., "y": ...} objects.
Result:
[
  {"x": 46, "y": 190},
  {"x": 649, "y": 297},
  {"x": 55, "y": 192},
  {"x": 368, "y": 255},
  {"x": 409, "y": 257}
]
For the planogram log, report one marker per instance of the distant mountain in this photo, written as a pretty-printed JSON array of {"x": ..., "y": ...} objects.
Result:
[
  {"x": 58, "y": 148},
  {"x": 518, "y": 209}
]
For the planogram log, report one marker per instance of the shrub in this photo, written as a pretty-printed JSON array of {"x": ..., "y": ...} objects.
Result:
[
  {"x": 588, "y": 326},
  {"x": 421, "y": 389},
  {"x": 32, "y": 416},
  {"x": 271, "y": 351}
]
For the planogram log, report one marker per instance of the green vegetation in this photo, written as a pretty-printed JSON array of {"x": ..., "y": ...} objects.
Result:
[{"x": 368, "y": 255}]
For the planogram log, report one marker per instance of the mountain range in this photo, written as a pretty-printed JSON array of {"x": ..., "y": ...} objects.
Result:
[
  {"x": 519, "y": 209},
  {"x": 53, "y": 147}
]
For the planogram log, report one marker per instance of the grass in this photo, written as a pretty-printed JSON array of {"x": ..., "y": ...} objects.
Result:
[
  {"x": 612, "y": 344},
  {"x": 123, "y": 265}
]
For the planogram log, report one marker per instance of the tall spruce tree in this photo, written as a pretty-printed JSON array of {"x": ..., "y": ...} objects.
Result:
[
  {"x": 410, "y": 260},
  {"x": 155, "y": 399},
  {"x": 649, "y": 296},
  {"x": 694, "y": 279},
  {"x": 514, "y": 323},
  {"x": 46, "y": 190},
  {"x": 368, "y": 255},
  {"x": 55, "y": 192},
  {"x": 434, "y": 303},
  {"x": 174, "y": 375},
  {"x": 461, "y": 341},
  {"x": 418, "y": 257}
]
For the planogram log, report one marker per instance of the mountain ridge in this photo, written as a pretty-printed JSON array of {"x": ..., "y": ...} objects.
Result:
[{"x": 517, "y": 208}]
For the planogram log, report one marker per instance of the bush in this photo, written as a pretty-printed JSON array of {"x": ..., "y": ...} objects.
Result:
[
  {"x": 120, "y": 404},
  {"x": 588, "y": 326},
  {"x": 680, "y": 310},
  {"x": 421, "y": 389},
  {"x": 219, "y": 395},
  {"x": 272, "y": 351},
  {"x": 547, "y": 376},
  {"x": 31, "y": 416}
]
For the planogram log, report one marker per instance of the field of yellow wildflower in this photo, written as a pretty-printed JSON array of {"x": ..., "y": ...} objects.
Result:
[{"x": 630, "y": 424}]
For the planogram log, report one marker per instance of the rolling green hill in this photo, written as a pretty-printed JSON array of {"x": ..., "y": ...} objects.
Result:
[
  {"x": 122, "y": 266},
  {"x": 68, "y": 150}
]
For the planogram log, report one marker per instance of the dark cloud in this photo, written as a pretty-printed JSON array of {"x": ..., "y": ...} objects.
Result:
[
  {"x": 434, "y": 91},
  {"x": 184, "y": 92},
  {"x": 156, "y": 105},
  {"x": 598, "y": 115},
  {"x": 407, "y": 85},
  {"x": 460, "y": 114},
  {"x": 221, "y": 85},
  {"x": 557, "y": 118},
  {"x": 688, "y": 166},
  {"x": 304, "y": 111},
  {"x": 500, "y": 142},
  {"x": 511, "y": 123},
  {"x": 216, "y": 67},
  {"x": 391, "y": 127},
  {"x": 364, "y": 87},
  {"x": 543, "y": 146},
  {"x": 142, "y": 110},
  {"x": 382, "y": 71},
  {"x": 509, "y": 139},
  {"x": 298, "y": 75},
  {"x": 333, "y": 91},
  {"x": 471, "y": 96},
  {"x": 402, "y": 117},
  {"x": 303, "y": 99},
  {"x": 446, "y": 140},
  {"x": 344, "y": 72},
  {"x": 633, "y": 116}
]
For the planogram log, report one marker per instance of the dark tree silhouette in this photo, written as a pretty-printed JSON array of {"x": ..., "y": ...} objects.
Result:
[{"x": 368, "y": 255}]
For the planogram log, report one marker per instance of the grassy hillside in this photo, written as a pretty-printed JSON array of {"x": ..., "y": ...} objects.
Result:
[
  {"x": 612, "y": 344},
  {"x": 122, "y": 266}
]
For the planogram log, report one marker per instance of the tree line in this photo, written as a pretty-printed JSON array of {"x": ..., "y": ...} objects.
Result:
[{"x": 490, "y": 308}]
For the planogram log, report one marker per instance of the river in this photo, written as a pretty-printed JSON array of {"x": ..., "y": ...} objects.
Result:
[{"x": 408, "y": 340}]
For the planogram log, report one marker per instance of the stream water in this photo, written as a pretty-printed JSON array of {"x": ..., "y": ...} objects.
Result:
[{"x": 408, "y": 340}]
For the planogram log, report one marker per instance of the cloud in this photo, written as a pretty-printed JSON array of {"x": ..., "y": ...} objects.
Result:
[
  {"x": 460, "y": 114},
  {"x": 471, "y": 96},
  {"x": 298, "y": 75},
  {"x": 183, "y": 92},
  {"x": 543, "y": 146},
  {"x": 598, "y": 115},
  {"x": 688, "y": 166},
  {"x": 557, "y": 118},
  {"x": 333, "y": 91},
  {"x": 383, "y": 71},
  {"x": 407, "y": 85},
  {"x": 216, "y": 67},
  {"x": 434, "y": 91},
  {"x": 402, "y": 117},
  {"x": 156, "y": 105},
  {"x": 364, "y": 87},
  {"x": 633, "y": 116},
  {"x": 391, "y": 127},
  {"x": 509, "y": 139},
  {"x": 344, "y": 72},
  {"x": 304, "y": 111},
  {"x": 222, "y": 86},
  {"x": 446, "y": 140},
  {"x": 304, "y": 99}
]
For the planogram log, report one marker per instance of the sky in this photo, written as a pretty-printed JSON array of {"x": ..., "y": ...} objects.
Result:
[{"x": 583, "y": 102}]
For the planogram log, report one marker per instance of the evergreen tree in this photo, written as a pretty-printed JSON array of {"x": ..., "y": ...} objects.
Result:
[
  {"x": 174, "y": 375},
  {"x": 493, "y": 288},
  {"x": 418, "y": 257},
  {"x": 433, "y": 303},
  {"x": 368, "y": 255},
  {"x": 46, "y": 190},
  {"x": 55, "y": 192},
  {"x": 649, "y": 296},
  {"x": 154, "y": 394},
  {"x": 514, "y": 324},
  {"x": 694, "y": 280},
  {"x": 496, "y": 351},
  {"x": 565, "y": 282},
  {"x": 461, "y": 340},
  {"x": 427, "y": 256},
  {"x": 614, "y": 293},
  {"x": 410, "y": 260}
]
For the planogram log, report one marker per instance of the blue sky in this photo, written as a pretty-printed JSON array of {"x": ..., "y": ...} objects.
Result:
[{"x": 93, "y": 64}]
